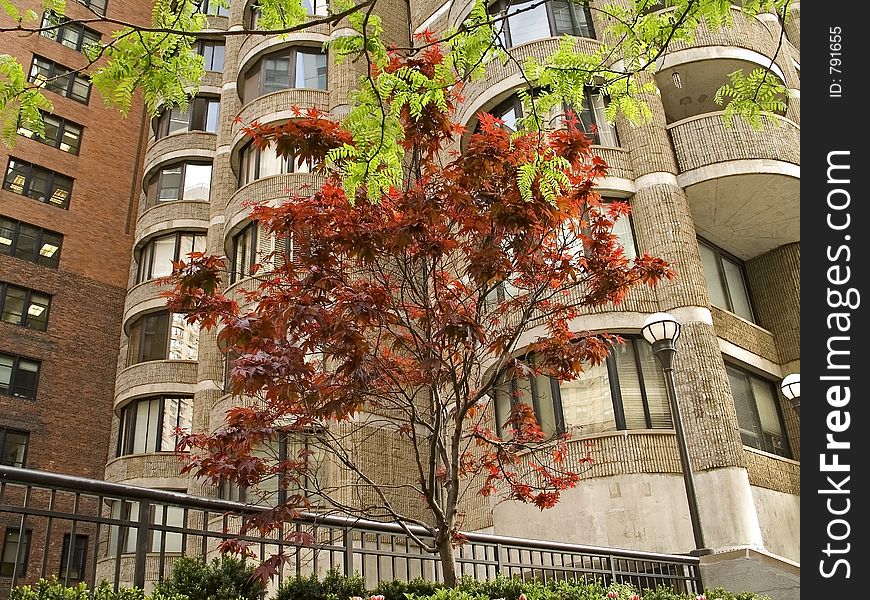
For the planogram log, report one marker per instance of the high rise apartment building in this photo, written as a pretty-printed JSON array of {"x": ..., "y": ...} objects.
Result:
[{"x": 721, "y": 203}]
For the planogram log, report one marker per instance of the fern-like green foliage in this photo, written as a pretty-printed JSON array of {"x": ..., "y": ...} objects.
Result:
[
  {"x": 280, "y": 14},
  {"x": 162, "y": 64},
  {"x": 750, "y": 96},
  {"x": 19, "y": 103}
]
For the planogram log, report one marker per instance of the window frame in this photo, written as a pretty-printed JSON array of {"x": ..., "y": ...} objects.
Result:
[
  {"x": 32, "y": 170},
  {"x": 205, "y": 6},
  {"x": 253, "y": 78},
  {"x": 154, "y": 182},
  {"x": 55, "y": 76},
  {"x": 91, "y": 5},
  {"x": 62, "y": 126},
  {"x": 238, "y": 275},
  {"x": 199, "y": 107},
  {"x": 28, "y": 301},
  {"x": 556, "y": 394},
  {"x": 127, "y": 424},
  {"x": 501, "y": 8},
  {"x": 199, "y": 47},
  {"x": 125, "y": 535},
  {"x": 246, "y": 177},
  {"x": 40, "y": 232},
  {"x": 10, "y": 389},
  {"x": 138, "y": 353},
  {"x": 61, "y": 25},
  {"x": 721, "y": 254},
  {"x": 19, "y": 567},
  {"x": 4, "y": 433},
  {"x": 144, "y": 274},
  {"x": 774, "y": 394},
  {"x": 67, "y": 560}
]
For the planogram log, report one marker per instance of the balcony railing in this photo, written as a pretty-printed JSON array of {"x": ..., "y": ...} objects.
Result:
[{"x": 133, "y": 533}]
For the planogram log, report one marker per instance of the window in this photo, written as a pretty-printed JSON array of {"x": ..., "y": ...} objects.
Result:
[
  {"x": 97, "y": 6},
  {"x": 181, "y": 181},
  {"x": 123, "y": 539},
  {"x": 256, "y": 164},
  {"x": 627, "y": 391},
  {"x": 758, "y": 415},
  {"x": 59, "y": 133},
  {"x": 13, "y": 447},
  {"x": 313, "y": 7},
  {"x": 725, "y": 281},
  {"x": 622, "y": 229},
  {"x": 212, "y": 53},
  {"x": 18, "y": 376},
  {"x": 592, "y": 118},
  {"x": 60, "y": 79},
  {"x": 215, "y": 8},
  {"x": 156, "y": 256},
  {"x": 530, "y": 20},
  {"x": 72, "y": 35},
  {"x": 149, "y": 425},
  {"x": 201, "y": 115},
  {"x": 38, "y": 183},
  {"x": 72, "y": 566},
  {"x": 15, "y": 546},
  {"x": 29, "y": 242},
  {"x": 162, "y": 336},
  {"x": 287, "y": 69},
  {"x": 244, "y": 252},
  {"x": 25, "y": 307}
]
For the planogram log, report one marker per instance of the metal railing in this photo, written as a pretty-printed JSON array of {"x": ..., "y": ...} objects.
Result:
[{"x": 87, "y": 530}]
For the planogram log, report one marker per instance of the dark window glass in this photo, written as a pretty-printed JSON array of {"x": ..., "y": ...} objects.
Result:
[
  {"x": 29, "y": 242},
  {"x": 758, "y": 414},
  {"x": 60, "y": 79},
  {"x": 38, "y": 183},
  {"x": 627, "y": 391},
  {"x": 244, "y": 252},
  {"x": 529, "y": 20},
  {"x": 726, "y": 281},
  {"x": 212, "y": 53},
  {"x": 15, "y": 545},
  {"x": 214, "y": 7},
  {"x": 181, "y": 181},
  {"x": 149, "y": 425},
  {"x": 162, "y": 336},
  {"x": 72, "y": 566},
  {"x": 201, "y": 115},
  {"x": 22, "y": 306},
  {"x": 59, "y": 133},
  {"x": 98, "y": 6},
  {"x": 18, "y": 376},
  {"x": 157, "y": 255},
  {"x": 72, "y": 35},
  {"x": 289, "y": 68},
  {"x": 13, "y": 447}
]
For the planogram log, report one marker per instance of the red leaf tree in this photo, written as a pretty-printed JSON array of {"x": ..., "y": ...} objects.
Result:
[{"x": 400, "y": 319}]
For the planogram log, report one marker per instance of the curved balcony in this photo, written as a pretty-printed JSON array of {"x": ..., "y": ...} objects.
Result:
[
  {"x": 211, "y": 82},
  {"x": 742, "y": 184},
  {"x": 620, "y": 172},
  {"x": 743, "y": 334},
  {"x": 158, "y": 469},
  {"x": 273, "y": 188},
  {"x": 178, "y": 146},
  {"x": 216, "y": 23},
  {"x": 180, "y": 214},
  {"x": 501, "y": 78},
  {"x": 276, "y": 107},
  {"x": 773, "y": 472},
  {"x": 143, "y": 297},
  {"x": 155, "y": 377}
]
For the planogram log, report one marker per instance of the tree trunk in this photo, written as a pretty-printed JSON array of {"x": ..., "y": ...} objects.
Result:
[{"x": 448, "y": 562}]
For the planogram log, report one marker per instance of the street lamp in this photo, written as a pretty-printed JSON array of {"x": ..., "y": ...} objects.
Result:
[
  {"x": 662, "y": 330},
  {"x": 791, "y": 389}
]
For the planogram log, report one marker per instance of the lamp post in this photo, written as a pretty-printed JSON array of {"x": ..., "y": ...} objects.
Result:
[
  {"x": 791, "y": 389},
  {"x": 662, "y": 330}
]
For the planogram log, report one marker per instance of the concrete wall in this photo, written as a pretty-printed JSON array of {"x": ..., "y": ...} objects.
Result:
[{"x": 779, "y": 517}]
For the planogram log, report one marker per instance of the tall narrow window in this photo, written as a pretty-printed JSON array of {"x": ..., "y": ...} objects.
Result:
[
  {"x": 19, "y": 376},
  {"x": 244, "y": 252},
  {"x": 72, "y": 564},
  {"x": 212, "y": 53},
  {"x": 13, "y": 447},
  {"x": 23, "y": 306},
  {"x": 15, "y": 545},
  {"x": 726, "y": 282},
  {"x": 157, "y": 255},
  {"x": 38, "y": 183},
  {"x": 29, "y": 242},
  {"x": 758, "y": 414}
]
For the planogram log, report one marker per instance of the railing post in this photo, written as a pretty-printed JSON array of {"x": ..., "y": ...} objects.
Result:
[
  {"x": 498, "y": 562},
  {"x": 142, "y": 543},
  {"x": 348, "y": 552}
]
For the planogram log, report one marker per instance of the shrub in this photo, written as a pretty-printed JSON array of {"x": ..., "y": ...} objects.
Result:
[
  {"x": 334, "y": 586},
  {"x": 52, "y": 589},
  {"x": 225, "y": 578},
  {"x": 397, "y": 589}
]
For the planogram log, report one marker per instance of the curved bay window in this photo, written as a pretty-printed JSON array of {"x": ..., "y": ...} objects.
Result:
[
  {"x": 179, "y": 181},
  {"x": 758, "y": 414},
  {"x": 726, "y": 281},
  {"x": 627, "y": 391},
  {"x": 162, "y": 336},
  {"x": 592, "y": 118},
  {"x": 532, "y": 20},
  {"x": 256, "y": 164},
  {"x": 157, "y": 255},
  {"x": 293, "y": 67},
  {"x": 244, "y": 252},
  {"x": 201, "y": 115},
  {"x": 150, "y": 424}
]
